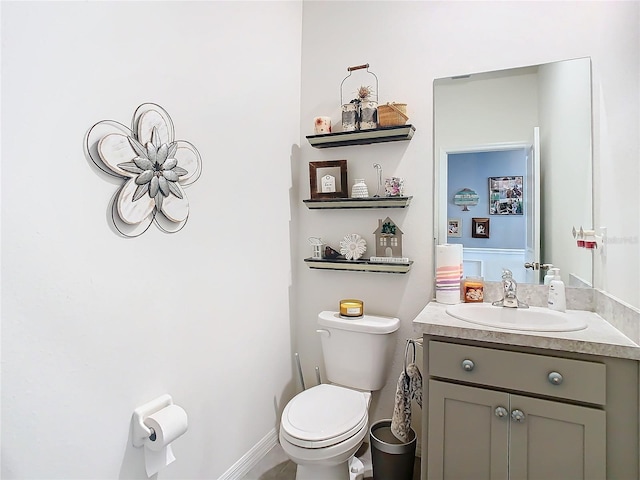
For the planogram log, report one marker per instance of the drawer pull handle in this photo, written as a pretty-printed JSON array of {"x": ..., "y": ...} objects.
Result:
[
  {"x": 555, "y": 378},
  {"x": 518, "y": 416},
  {"x": 501, "y": 412},
  {"x": 468, "y": 365}
]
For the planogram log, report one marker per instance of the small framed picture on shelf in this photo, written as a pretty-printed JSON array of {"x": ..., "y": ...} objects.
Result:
[
  {"x": 480, "y": 227},
  {"x": 328, "y": 179},
  {"x": 454, "y": 227}
]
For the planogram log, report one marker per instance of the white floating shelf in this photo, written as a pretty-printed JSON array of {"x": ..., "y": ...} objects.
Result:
[
  {"x": 369, "y": 202},
  {"x": 362, "y": 265},
  {"x": 362, "y": 137}
]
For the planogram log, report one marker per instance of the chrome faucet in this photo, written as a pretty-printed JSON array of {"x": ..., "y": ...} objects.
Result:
[{"x": 509, "y": 292}]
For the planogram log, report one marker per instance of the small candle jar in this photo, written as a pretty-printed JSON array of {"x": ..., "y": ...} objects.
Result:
[
  {"x": 473, "y": 290},
  {"x": 322, "y": 125},
  {"x": 351, "y": 308}
]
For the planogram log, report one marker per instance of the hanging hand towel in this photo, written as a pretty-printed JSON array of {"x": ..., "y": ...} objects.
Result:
[{"x": 409, "y": 388}]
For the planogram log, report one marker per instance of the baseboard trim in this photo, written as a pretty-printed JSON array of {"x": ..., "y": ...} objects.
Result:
[{"x": 252, "y": 457}]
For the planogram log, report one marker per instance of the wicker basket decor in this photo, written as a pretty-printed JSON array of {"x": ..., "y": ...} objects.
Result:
[{"x": 392, "y": 114}]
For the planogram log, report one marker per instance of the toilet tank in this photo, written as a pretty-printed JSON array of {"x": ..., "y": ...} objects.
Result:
[{"x": 357, "y": 351}]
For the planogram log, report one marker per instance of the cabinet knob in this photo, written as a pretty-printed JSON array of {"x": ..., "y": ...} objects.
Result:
[
  {"x": 468, "y": 365},
  {"x": 555, "y": 378},
  {"x": 518, "y": 416},
  {"x": 501, "y": 412}
]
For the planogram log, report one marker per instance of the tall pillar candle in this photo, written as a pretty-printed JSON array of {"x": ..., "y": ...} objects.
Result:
[{"x": 448, "y": 273}]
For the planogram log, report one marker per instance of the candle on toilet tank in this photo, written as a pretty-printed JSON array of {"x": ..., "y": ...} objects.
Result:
[{"x": 351, "y": 308}]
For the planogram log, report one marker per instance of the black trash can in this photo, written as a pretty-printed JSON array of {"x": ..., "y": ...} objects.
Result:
[{"x": 391, "y": 458}]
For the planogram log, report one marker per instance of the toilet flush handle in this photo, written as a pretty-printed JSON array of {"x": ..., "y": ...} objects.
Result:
[{"x": 323, "y": 332}]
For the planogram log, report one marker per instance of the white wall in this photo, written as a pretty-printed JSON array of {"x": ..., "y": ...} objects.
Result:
[
  {"x": 488, "y": 108},
  {"x": 83, "y": 340},
  {"x": 94, "y": 325},
  {"x": 567, "y": 178},
  {"x": 408, "y": 45}
]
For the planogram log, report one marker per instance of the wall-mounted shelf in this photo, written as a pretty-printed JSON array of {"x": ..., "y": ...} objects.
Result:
[
  {"x": 362, "y": 137},
  {"x": 369, "y": 202},
  {"x": 362, "y": 265}
]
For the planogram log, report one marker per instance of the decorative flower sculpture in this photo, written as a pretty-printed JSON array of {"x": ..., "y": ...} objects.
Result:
[
  {"x": 155, "y": 165},
  {"x": 352, "y": 246}
]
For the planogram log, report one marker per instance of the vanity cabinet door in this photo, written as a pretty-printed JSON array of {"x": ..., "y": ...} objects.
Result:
[
  {"x": 553, "y": 440},
  {"x": 482, "y": 434},
  {"x": 467, "y": 437}
]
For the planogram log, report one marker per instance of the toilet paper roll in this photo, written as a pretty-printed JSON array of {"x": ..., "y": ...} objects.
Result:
[
  {"x": 168, "y": 424},
  {"x": 448, "y": 273}
]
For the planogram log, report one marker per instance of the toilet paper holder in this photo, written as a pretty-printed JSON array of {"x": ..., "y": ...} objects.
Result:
[{"x": 140, "y": 431}]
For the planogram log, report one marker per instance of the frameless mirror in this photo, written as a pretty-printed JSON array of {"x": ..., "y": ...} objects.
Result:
[{"x": 513, "y": 170}]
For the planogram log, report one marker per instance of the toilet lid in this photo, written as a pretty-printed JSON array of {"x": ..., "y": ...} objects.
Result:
[{"x": 324, "y": 415}]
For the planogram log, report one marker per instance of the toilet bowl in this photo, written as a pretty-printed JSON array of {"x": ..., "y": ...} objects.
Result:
[{"x": 322, "y": 428}]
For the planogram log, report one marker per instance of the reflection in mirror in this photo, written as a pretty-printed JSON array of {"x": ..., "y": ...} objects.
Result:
[{"x": 520, "y": 140}]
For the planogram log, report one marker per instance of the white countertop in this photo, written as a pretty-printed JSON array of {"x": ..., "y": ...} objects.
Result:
[{"x": 599, "y": 338}]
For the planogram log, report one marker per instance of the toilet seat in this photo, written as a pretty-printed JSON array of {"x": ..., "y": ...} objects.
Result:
[{"x": 324, "y": 415}]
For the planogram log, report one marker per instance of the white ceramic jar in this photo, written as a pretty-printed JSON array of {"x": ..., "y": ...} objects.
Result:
[{"x": 359, "y": 189}]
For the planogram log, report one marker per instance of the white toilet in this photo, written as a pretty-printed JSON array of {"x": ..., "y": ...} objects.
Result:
[{"x": 323, "y": 427}]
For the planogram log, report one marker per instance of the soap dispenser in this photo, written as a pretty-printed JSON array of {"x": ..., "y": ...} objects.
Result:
[
  {"x": 550, "y": 274},
  {"x": 557, "y": 298}
]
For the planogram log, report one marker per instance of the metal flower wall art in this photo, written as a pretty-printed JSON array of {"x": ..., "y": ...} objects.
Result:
[{"x": 154, "y": 166}]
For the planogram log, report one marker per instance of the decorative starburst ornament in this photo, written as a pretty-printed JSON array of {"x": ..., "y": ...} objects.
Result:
[
  {"x": 352, "y": 246},
  {"x": 156, "y": 168}
]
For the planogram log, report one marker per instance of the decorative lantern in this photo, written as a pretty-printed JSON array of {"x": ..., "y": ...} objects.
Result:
[
  {"x": 361, "y": 113},
  {"x": 317, "y": 247}
]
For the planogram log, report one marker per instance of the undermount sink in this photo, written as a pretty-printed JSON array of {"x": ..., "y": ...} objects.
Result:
[{"x": 534, "y": 319}]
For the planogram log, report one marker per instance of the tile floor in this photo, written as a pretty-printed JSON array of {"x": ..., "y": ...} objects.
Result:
[{"x": 276, "y": 466}]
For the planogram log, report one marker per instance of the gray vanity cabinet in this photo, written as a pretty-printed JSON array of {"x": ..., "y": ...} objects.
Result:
[
  {"x": 522, "y": 414},
  {"x": 556, "y": 440},
  {"x": 466, "y": 439},
  {"x": 474, "y": 435}
]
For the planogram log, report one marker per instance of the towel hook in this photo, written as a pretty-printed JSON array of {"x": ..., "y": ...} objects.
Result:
[{"x": 406, "y": 352}]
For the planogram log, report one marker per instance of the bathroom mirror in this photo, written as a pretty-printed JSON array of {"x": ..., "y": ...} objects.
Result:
[{"x": 520, "y": 141}]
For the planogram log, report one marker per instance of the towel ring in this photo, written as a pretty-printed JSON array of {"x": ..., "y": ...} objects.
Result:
[{"x": 406, "y": 352}]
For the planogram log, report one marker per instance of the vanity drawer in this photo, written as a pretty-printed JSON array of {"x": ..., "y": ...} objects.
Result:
[{"x": 578, "y": 380}]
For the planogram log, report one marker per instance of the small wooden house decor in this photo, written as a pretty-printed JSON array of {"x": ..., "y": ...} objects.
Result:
[{"x": 388, "y": 239}]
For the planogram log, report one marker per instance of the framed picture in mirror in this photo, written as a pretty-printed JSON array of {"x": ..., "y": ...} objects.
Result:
[
  {"x": 454, "y": 227},
  {"x": 505, "y": 195},
  {"x": 480, "y": 227},
  {"x": 328, "y": 179}
]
